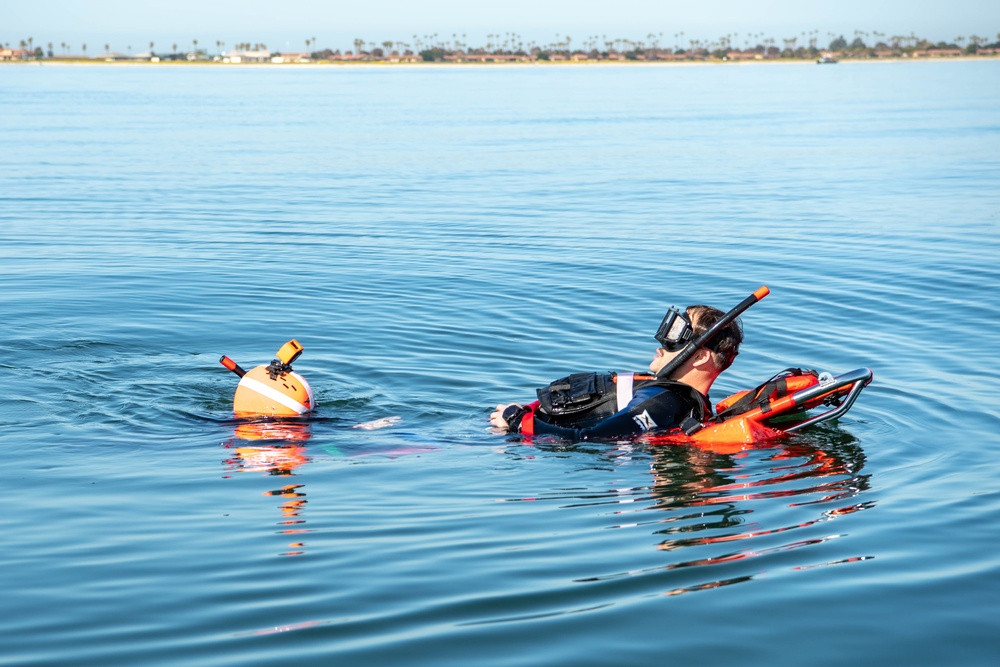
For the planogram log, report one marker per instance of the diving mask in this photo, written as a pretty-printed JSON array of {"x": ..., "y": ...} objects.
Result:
[{"x": 675, "y": 331}]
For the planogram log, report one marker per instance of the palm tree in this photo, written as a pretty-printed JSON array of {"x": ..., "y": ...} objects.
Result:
[
  {"x": 107, "y": 48},
  {"x": 85, "y": 50}
]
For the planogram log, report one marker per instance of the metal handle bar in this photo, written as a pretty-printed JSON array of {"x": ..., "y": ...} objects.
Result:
[{"x": 857, "y": 379}]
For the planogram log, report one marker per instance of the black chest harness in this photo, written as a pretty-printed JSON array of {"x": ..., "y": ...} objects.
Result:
[{"x": 583, "y": 399}]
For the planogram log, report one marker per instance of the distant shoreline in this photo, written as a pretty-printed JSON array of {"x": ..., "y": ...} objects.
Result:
[
  {"x": 511, "y": 49},
  {"x": 431, "y": 65}
]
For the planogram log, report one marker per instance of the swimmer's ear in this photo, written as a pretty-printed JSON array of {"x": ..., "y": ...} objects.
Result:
[{"x": 701, "y": 357}]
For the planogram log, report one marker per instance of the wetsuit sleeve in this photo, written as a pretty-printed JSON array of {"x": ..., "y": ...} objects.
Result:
[{"x": 651, "y": 408}]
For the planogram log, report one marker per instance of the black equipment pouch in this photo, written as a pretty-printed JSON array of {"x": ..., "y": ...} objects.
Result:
[
  {"x": 580, "y": 397},
  {"x": 583, "y": 399}
]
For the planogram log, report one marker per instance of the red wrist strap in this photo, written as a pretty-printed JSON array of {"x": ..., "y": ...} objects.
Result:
[{"x": 528, "y": 420}]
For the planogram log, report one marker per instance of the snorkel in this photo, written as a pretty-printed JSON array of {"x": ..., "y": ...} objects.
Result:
[{"x": 700, "y": 341}]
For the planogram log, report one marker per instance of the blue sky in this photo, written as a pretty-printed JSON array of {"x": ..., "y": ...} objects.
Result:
[{"x": 335, "y": 23}]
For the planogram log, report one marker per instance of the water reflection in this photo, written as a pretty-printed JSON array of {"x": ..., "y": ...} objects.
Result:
[
  {"x": 712, "y": 507},
  {"x": 728, "y": 489},
  {"x": 272, "y": 447},
  {"x": 293, "y": 501},
  {"x": 701, "y": 476},
  {"x": 275, "y": 448}
]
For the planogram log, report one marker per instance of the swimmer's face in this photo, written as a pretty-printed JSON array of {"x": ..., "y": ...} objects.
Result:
[{"x": 660, "y": 359}]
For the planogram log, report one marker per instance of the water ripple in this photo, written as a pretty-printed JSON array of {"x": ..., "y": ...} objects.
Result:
[{"x": 444, "y": 239}]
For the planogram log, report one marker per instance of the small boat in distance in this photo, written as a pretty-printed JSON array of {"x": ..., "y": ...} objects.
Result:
[{"x": 826, "y": 59}]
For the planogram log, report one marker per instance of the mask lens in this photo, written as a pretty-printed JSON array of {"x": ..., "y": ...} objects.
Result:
[{"x": 674, "y": 331}]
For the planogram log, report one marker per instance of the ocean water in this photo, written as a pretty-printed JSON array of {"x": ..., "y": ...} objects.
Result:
[{"x": 441, "y": 240}]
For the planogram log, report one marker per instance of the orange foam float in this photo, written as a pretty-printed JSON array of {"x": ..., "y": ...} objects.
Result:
[
  {"x": 775, "y": 409},
  {"x": 274, "y": 390}
]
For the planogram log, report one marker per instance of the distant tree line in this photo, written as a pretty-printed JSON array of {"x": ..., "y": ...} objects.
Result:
[{"x": 433, "y": 48}]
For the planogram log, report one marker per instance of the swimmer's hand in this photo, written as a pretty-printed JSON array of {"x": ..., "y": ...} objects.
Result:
[{"x": 499, "y": 417}]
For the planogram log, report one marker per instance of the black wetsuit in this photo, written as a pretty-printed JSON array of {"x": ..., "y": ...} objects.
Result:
[{"x": 654, "y": 407}]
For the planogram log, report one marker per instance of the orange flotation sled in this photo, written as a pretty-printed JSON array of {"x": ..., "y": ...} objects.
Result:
[{"x": 784, "y": 404}]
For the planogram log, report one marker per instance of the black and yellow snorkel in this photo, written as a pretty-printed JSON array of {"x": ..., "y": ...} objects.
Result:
[{"x": 672, "y": 329}]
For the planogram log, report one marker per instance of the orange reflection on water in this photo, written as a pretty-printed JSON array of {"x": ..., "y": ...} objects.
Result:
[
  {"x": 709, "y": 496},
  {"x": 275, "y": 448},
  {"x": 293, "y": 504},
  {"x": 274, "y": 460}
]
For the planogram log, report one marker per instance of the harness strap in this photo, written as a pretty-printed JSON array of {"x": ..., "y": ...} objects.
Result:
[
  {"x": 624, "y": 389},
  {"x": 527, "y": 425}
]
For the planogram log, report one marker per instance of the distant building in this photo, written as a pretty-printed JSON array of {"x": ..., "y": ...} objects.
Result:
[
  {"x": 14, "y": 54},
  {"x": 290, "y": 58},
  {"x": 486, "y": 58},
  {"x": 939, "y": 53},
  {"x": 259, "y": 56}
]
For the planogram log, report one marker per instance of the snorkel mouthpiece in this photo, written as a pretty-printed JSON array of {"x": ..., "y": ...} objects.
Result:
[{"x": 693, "y": 345}]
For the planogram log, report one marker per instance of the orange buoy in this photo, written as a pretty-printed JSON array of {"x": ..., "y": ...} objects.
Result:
[
  {"x": 274, "y": 390},
  {"x": 260, "y": 393}
]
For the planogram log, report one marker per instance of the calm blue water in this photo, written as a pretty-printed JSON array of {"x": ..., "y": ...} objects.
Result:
[{"x": 441, "y": 240}]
